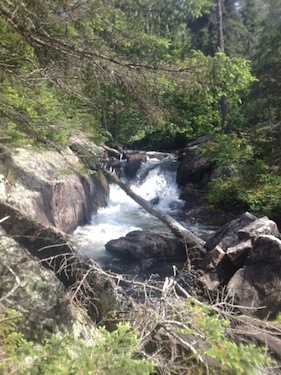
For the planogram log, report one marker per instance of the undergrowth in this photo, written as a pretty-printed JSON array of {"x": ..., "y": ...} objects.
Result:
[
  {"x": 247, "y": 178},
  {"x": 108, "y": 352},
  {"x": 185, "y": 336},
  {"x": 170, "y": 333}
]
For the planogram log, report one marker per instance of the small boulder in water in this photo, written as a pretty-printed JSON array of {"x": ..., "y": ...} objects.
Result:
[
  {"x": 147, "y": 244},
  {"x": 195, "y": 168},
  {"x": 133, "y": 164}
]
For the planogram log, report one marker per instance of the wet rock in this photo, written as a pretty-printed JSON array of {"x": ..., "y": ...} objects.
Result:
[
  {"x": 192, "y": 197},
  {"x": 146, "y": 244},
  {"x": 133, "y": 164},
  {"x": 195, "y": 168}
]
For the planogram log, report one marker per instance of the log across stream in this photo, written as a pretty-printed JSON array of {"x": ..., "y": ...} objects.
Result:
[{"x": 155, "y": 183}]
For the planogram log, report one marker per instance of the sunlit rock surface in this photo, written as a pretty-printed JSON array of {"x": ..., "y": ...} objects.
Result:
[
  {"x": 32, "y": 290},
  {"x": 245, "y": 256},
  {"x": 48, "y": 186}
]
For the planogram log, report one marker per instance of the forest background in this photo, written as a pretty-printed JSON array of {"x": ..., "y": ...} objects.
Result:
[{"x": 151, "y": 75}]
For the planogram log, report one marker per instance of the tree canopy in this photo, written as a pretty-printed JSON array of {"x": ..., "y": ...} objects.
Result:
[
  {"x": 141, "y": 73},
  {"x": 116, "y": 69}
]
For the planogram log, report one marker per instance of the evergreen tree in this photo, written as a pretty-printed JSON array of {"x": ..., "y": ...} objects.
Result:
[
  {"x": 267, "y": 66},
  {"x": 250, "y": 13},
  {"x": 236, "y": 34},
  {"x": 234, "y": 30},
  {"x": 203, "y": 33}
]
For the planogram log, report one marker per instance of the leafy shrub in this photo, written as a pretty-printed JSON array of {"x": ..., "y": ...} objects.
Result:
[
  {"x": 259, "y": 194},
  {"x": 226, "y": 193},
  {"x": 109, "y": 353},
  {"x": 231, "y": 358},
  {"x": 265, "y": 196},
  {"x": 248, "y": 183},
  {"x": 228, "y": 151}
]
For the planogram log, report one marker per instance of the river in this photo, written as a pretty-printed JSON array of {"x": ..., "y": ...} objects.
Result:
[{"x": 155, "y": 182}]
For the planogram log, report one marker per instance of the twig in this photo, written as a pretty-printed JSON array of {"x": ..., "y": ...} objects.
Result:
[{"x": 4, "y": 218}]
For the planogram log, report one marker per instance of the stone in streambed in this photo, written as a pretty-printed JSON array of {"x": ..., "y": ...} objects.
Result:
[
  {"x": 147, "y": 244},
  {"x": 133, "y": 164}
]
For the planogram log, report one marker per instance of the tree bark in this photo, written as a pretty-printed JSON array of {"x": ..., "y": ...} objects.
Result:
[
  {"x": 174, "y": 226},
  {"x": 220, "y": 44},
  {"x": 220, "y": 41}
]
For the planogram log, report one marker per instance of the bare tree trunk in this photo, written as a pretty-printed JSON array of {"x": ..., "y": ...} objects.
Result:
[
  {"x": 220, "y": 40},
  {"x": 224, "y": 112},
  {"x": 174, "y": 226},
  {"x": 220, "y": 43}
]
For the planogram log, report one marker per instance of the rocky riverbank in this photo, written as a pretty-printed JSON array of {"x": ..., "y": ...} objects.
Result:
[
  {"x": 44, "y": 194},
  {"x": 37, "y": 182}
]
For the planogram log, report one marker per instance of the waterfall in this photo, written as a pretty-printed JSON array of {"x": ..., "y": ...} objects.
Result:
[{"x": 155, "y": 182}]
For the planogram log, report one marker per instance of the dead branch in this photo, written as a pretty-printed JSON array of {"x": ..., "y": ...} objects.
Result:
[{"x": 112, "y": 151}]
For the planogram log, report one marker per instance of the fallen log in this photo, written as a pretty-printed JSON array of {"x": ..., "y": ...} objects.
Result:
[
  {"x": 112, "y": 151},
  {"x": 175, "y": 227}
]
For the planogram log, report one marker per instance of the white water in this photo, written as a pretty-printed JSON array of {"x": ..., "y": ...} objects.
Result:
[
  {"x": 156, "y": 182},
  {"x": 123, "y": 214}
]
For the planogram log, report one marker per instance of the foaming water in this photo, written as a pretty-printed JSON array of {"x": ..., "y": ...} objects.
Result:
[{"x": 156, "y": 183}]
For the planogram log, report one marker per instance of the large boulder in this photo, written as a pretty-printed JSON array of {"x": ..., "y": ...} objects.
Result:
[
  {"x": 86, "y": 150},
  {"x": 245, "y": 255},
  {"x": 146, "y": 245},
  {"x": 87, "y": 283},
  {"x": 228, "y": 233},
  {"x": 48, "y": 186},
  {"x": 248, "y": 237},
  {"x": 32, "y": 290},
  {"x": 256, "y": 286},
  {"x": 217, "y": 263},
  {"x": 232, "y": 243}
]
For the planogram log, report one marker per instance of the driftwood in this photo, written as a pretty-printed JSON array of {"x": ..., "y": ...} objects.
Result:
[
  {"x": 175, "y": 227},
  {"x": 112, "y": 151}
]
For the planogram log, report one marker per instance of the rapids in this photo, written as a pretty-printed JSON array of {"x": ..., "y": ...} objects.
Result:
[{"x": 155, "y": 182}]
